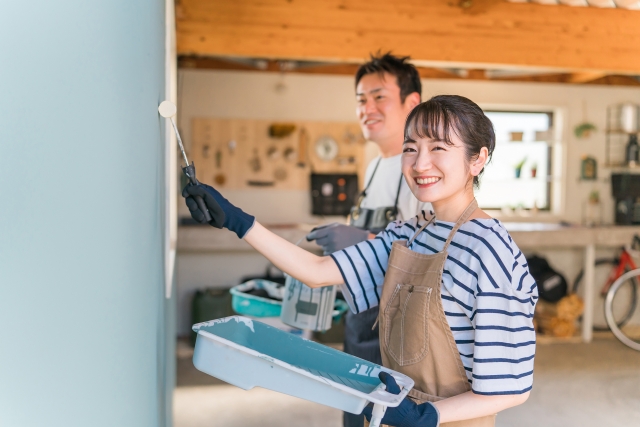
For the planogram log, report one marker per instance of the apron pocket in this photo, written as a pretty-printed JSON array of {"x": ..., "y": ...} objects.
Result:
[{"x": 405, "y": 318}]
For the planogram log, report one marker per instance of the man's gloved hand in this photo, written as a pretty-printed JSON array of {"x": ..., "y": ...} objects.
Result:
[
  {"x": 408, "y": 413},
  {"x": 334, "y": 237},
  {"x": 223, "y": 213}
]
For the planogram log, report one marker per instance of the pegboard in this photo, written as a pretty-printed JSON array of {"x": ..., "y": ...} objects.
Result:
[{"x": 240, "y": 154}]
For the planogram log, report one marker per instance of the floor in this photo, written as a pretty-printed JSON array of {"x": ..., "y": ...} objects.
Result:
[{"x": 584, "y": 385}]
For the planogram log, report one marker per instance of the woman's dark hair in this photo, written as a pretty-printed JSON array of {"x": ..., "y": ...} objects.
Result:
[
  {"x": 406, "y": 73},
  {"x": 438, "y": 117}
]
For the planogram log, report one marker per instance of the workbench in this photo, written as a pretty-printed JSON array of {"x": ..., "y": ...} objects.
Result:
[
  {"x": 556, "y": 236},
  {"x": 527, "y": 235}
]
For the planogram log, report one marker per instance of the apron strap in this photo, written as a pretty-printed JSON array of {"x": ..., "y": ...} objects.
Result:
[
  {"x": 363, "y": 194},
  {"x": 410, "y": 242},
  {"x": 463, "y": 218},
  {"x": 395, "y": 204}
]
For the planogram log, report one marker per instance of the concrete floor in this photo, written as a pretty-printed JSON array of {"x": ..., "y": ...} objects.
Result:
[{"x": 584, "y": 385}]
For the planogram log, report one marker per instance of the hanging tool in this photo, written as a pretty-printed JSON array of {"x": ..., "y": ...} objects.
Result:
[
  {"x": 167, "y": 109},
  {"x": 303, "y": 140},
  {"x": 254, "y": 162}
]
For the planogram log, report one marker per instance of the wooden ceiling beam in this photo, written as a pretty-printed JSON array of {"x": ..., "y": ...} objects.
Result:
[
  {"x": 488, "y": 32},
  {"x": 191, "y": 62},
  {"x": 475, "y": 74},
  {"x": 585, "y": 77}
]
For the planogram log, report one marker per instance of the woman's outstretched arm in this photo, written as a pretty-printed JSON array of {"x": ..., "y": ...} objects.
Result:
[
  {"x": 470, "y": 405},
  {"x": 312, "y": 270}
]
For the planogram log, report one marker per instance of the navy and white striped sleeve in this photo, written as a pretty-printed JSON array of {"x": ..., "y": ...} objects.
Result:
[
  {"x": 363, "y": 267},
  {"x": 505, "y": 340}
]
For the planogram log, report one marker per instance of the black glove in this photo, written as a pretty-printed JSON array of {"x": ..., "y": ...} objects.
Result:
[
  {"x": 408, "y": 413},
  {"x": 334, "y": 237},
  {"x": 223, "y": 213}
]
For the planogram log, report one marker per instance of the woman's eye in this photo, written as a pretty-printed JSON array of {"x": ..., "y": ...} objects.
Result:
[
  {"x": 409, "y": 150},
  {"x": 436, "y": 148}
]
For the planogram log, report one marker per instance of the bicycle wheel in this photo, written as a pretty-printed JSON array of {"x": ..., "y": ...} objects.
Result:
[
  {"x": 623, "y": 309},
  {"x": 628, "y": 334}
]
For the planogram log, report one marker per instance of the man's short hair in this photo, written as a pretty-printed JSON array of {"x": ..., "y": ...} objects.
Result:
[{"x": 406, "y": 74}]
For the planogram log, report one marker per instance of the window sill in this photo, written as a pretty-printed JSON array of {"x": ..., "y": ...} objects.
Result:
[{"x": 525, "y": 216}]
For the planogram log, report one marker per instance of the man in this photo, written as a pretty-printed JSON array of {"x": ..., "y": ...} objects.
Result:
[{"x": 387, "y": 89}]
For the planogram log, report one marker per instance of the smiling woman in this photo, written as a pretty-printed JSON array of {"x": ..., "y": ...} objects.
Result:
[
  {"x": 455, "y": 294},
  {"x": 444, "y": 136}
]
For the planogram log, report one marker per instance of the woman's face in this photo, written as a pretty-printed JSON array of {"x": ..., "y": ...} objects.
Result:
[{"x": 438, "y": 172}]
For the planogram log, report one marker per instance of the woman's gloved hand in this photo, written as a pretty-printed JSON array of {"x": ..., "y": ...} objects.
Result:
[
  {"x": 408, "y": 413},
  {"x": 223, "y": 213},
  {"x": 334, "y": 237}
]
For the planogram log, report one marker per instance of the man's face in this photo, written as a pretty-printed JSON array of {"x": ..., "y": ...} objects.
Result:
[{"x": 380, "y": 112}]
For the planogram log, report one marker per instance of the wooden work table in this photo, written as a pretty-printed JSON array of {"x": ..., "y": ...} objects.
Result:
[
  {"x": 527, "y": 235},
  {"x": 541, "y": 235}
]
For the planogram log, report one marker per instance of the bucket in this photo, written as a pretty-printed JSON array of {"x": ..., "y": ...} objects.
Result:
[{"x": 307, "y": 308}]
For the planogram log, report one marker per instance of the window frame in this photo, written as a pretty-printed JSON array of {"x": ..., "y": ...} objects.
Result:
[{"x": 558, "y": 162}]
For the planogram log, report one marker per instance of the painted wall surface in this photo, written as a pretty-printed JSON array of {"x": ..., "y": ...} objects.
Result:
[
  {"x": 82, "y": 308},
  {"x": 246, "y": 95}
]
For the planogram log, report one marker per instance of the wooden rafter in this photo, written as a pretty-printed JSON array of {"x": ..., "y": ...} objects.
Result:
[{"x": 190, "y": 62}]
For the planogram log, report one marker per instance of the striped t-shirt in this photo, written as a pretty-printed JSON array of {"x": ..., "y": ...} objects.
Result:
[{"x": 488, "y": 295}]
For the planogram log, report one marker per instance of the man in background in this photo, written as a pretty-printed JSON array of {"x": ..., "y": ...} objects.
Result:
[{"x": 387, "y": 89}]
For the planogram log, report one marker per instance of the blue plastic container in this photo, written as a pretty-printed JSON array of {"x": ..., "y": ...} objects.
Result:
[{"x": 256, "y": 306}]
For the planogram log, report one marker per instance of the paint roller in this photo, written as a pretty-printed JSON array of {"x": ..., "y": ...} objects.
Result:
[{"x": 167, "y": 109}]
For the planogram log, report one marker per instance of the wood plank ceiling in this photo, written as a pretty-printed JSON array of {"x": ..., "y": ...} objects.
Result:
[
  {"x": 621, "y": 4},
  {"x": 472, "y": 39}
]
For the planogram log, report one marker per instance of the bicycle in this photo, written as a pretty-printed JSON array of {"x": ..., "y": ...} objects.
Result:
[
  {"x": 624, "y": 299},
  {"x": 628, "y": 333}
]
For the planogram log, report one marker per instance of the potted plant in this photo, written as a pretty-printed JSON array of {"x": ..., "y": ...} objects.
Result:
[
  {"x": 518, "y": 167},
  {"x": 534, "y": 170},
  {"x": 584, "y": 130}
]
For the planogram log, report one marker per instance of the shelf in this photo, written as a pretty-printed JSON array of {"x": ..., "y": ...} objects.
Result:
[
  {"x": 594, "y": 181},
  {"x": 526, "y": 178},
  {"x": 621, "y": 167},
  {"x": 619, "y": 132}
]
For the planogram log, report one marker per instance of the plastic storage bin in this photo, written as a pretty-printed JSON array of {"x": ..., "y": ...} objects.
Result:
[
  {"x": 250, "y": 354},
  {"x": 254, "y": 305}
]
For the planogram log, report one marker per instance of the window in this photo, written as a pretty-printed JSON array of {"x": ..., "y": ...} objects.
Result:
[{"x": 519, "y": 174}]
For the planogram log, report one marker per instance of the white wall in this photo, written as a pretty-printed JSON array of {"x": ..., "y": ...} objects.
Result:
[
  {"x": 85, "y": 324},
  {"x": 230, "y": 94}
]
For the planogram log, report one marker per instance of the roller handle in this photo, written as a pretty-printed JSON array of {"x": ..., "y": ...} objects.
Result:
[
  {"x": 190, "y": 172},
  {"x": 377, "y": 414}
]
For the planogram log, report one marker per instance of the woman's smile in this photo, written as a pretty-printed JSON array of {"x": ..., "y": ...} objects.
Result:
[{"x": 426, "y": 181}]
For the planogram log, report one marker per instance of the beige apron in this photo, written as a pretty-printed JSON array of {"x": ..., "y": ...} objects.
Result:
[{"x": 415, "y": 337}]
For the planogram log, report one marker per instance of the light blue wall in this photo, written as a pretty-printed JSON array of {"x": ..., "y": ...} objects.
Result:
[{"x": 83, "y": 320}]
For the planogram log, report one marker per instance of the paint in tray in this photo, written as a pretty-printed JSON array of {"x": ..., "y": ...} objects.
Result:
[
  {"x": 314, "y": 358},
  {"x": 251, "y": 354}
]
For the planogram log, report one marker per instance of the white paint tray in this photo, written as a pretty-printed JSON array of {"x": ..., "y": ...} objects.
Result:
[{"x": 248, "y": 353}]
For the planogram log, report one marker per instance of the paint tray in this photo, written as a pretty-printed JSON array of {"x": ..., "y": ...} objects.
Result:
[{"x": 248, "y": 354}]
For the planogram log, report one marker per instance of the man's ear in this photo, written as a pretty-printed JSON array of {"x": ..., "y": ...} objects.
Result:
[
  {"x": 479, "y": 162},
  {"x": 412, "y": 100}
]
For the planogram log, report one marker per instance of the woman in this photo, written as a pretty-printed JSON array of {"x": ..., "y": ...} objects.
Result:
[{"x": 455, "y": 293}]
